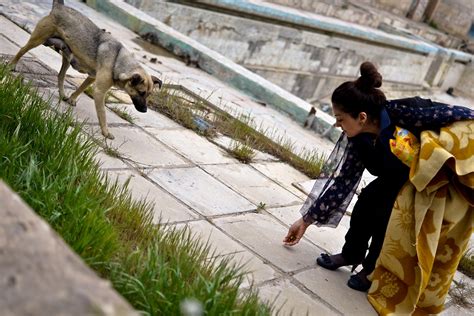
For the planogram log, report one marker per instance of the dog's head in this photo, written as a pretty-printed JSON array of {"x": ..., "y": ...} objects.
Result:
[{"x": 139, "y": 85}]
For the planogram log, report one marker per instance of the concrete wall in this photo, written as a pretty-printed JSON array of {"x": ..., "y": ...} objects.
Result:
[
  {"x": 454, "y": 16},
  {"x": 465, "y": 84},
  {"x": 399, "y": 7},
  {"x": 362, "y": 13},
  {"x": 308, "y": 64},
  {"x": 420, "y": 10},
  {"x": 41, "y": 275},
  {"x": 394, "y": 6}
]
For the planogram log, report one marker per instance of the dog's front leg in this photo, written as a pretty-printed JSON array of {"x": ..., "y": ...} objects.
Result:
[
  {"x": 99, "y": 99},
  {"x": 86, "y": 83}
]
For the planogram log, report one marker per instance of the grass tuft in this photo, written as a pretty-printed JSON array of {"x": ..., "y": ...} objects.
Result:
[
  {"x": 466, "y": 265},
  {"x": 123, "y": 114},
  {"x": 462, "y": 294},
  {"x": 242, "y": 152},
  {"x": 111, "y": 151}
]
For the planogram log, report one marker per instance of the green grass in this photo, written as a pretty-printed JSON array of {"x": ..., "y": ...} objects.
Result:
[
  {"x": 239, "y": 127},
  {"x": 242, "y": 152},
  {"x": 466, "y": 265},
  {"x": 45, "y": 158}
]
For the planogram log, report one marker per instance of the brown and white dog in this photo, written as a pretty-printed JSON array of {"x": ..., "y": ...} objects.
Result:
[{"x": 95, "y": 52}]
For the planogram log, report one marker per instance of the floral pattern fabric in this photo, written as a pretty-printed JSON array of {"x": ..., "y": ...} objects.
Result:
[{"x": 430, "y": 226}]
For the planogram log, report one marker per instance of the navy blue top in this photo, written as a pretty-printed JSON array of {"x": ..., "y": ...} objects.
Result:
[{"x": 372, "y": 152}]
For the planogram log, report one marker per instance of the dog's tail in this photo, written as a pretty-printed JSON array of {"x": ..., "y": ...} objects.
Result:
[{"x": 56, "y": 2}]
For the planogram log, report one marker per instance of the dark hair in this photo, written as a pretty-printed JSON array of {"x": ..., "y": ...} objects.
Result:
[{"x": 361, "y": 95}]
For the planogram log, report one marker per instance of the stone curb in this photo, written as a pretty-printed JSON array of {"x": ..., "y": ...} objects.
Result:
[{"x": 41, "y": 275}]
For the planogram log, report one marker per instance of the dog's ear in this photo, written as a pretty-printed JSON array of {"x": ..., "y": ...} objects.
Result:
[
  {"x": 157, "y": 81},
  {"x": 134, "y": 79}
]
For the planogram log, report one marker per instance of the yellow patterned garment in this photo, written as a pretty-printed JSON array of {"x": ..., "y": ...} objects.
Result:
[{"x": 430, "y": 226}]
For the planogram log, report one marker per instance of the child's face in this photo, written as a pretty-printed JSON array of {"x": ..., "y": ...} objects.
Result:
[{"x": 351, "y": 126}]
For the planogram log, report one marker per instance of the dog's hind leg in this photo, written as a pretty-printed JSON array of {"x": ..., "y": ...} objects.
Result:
[
  {"x": 43, "y": 30},
  {"x": 61, "y": 76},
  {"x": 86, "y": 83}
]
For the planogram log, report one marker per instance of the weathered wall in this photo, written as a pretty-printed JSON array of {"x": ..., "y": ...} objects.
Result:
[
  {"x": 399, "y": 7},
  {"x": 41, "y": 275},
  {"x": 466, "y": 82},
  {"x": 394, "y": 6},
  {"x": 350, "y": 11},
  {"x": 420, "y": 10},
  {"x": 313, "y": 6},
  {"x": 308, "y": 64},
  {"x": 454, "y": 16}
]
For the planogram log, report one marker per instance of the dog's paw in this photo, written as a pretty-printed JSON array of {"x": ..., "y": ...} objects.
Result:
[
  {"x": 108, "y": 135},
  {"x": 69, "y": 101},
  {"x": 11, "y": 66}
]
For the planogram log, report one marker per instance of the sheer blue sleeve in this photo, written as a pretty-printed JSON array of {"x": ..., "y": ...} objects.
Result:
[{"x": 327, "y": 206}]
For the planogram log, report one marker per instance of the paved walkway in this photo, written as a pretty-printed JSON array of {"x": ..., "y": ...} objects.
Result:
[{"x": 194, "y": 182}]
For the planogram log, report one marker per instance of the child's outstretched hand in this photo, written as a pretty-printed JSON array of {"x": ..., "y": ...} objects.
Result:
[{"x": 295, "y": 233}]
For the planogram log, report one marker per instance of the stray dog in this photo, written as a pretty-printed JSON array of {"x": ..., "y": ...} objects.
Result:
[{"x": 92, "y": 51}]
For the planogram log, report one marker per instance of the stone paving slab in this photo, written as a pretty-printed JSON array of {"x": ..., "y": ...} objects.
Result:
[
  {"x": 328, "y": 238},
  {"x": 166, "y": 209},
  {"x": 226, "y": 247},
  {"x": 149, "y": 119},
  {"x": 283, "y": 174},
  {"x": 456, "y": 311},
  {"x": 331, "y": 287},
  {"x": 201, "y": 151},
  {"x": 7, "y": 47},
  {"x": 451, "y": 308},
  {"x": 107, "y": 162},
  {"x": 84, "y": 111},
  {"x": 200, "y": 191},
  {"x": 253, "y": 185},
  {"x": 288, "y": 299},
  {"x": 141, "y": 149},
  {"x": 264, "y": 236}
]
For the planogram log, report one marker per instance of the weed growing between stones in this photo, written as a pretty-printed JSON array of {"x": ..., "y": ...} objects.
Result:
[
  {"x": 123, "y": 114},
  {"x": 462, "y": 294},
  {"x": 466, "y": 265},
  {"x": 242, "y": 152}
]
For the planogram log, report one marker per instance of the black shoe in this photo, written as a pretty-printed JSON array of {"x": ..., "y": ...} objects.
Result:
[
  {"x": 359, "y": 282},
  {"x": 326, "y": 261}
]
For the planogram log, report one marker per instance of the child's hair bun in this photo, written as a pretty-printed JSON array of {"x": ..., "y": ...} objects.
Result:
[{"x": 369, "y": 78}]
